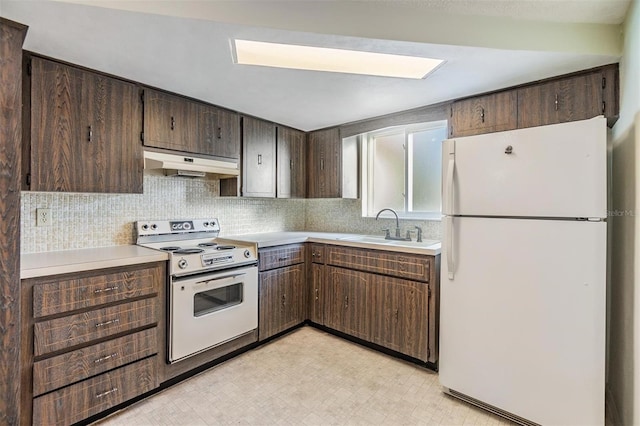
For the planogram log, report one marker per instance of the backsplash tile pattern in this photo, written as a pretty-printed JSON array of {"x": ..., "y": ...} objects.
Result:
[
  {"x": 100, "y": 220},
  {"x": 344, "y": 215}
]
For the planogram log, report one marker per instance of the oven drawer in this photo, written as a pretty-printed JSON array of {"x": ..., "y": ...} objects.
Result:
[
  {"x": 61, "y": 333},
  {"x": 278, "y": 257},
  {"x": 86, "y": 291},
  {"x": 77, "y": 402},
  {"x": 413, "y": 267},
  {"x": 61, "y": 370}
]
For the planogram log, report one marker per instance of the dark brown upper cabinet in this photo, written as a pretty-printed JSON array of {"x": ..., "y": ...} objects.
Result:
[
  {"x": 179, "y": 124},
  {"x": 259, "y": 158},
  {"x": 568, "y": 99},
  {"x": 291, "y": 165},
  {"x": 484, "y": 114},
  {"x": 324, "y": 164},
  {"x": 84, "y": 131}
]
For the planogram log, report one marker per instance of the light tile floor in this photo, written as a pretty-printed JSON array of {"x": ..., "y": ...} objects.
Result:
[{"x": 307, "y": 377}]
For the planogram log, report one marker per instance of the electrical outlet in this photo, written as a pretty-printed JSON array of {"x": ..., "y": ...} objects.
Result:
[{"x": 43, "y": 217}]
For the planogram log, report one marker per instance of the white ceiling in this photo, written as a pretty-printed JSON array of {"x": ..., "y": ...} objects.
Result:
[{"x": 184, "y": 47}]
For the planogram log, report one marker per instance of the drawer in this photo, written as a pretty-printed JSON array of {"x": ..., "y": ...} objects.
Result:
[
  {"x": 77, "y": 402},
  {"x": 71, "y": 367},
  {"x": 413, "y": 267},
  {"x": 317, "y": 253},
  {"x": 61, "y": 333},
  {"x": 83, "y": 292},
  {"x": 277, "y": 257}
]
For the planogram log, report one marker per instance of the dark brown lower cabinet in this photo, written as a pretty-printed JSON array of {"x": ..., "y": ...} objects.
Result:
[
  {"x": 400, "y": 315},
  {"x": 391, "y": 311},
  {"x": 84, "y": 352},
  {"x": 346, "y": 300},
  {"x": 281, "y": 299}
]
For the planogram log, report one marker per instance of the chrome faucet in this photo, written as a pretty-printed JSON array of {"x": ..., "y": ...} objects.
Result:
[{"x": 387, "y": 234}]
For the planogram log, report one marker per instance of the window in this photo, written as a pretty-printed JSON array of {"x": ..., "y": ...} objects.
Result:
[{"x": 401, "y": 170}]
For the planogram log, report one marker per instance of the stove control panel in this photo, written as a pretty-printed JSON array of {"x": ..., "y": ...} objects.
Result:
[
  {"x": 216, "y": 259},
  {"x": 161, "y": 227}
]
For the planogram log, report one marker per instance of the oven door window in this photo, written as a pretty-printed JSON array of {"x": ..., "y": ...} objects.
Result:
[{"x": 209, "y": 301}]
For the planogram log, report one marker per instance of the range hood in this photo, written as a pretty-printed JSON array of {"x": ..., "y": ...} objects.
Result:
[{"x": 181, "y": 165}]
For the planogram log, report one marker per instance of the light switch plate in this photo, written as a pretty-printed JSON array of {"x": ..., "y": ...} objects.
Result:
[{"x": 43, "y": 217}]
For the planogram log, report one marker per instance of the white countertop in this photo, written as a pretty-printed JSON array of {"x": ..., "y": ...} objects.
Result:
[
  {"x": 377, "y": 242},
  {"x": 61, "y": 262}
]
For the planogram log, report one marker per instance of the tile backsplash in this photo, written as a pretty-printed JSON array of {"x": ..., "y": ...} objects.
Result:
[{"x": 98, "y": 220}]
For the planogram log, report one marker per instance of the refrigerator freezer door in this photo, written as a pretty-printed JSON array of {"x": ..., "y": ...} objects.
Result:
[
  {"x": 549, "y": 171},
  {"x": 522, "y": 323}
]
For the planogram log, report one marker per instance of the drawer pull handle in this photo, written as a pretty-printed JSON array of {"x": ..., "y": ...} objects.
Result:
[
  {"x": 106, "y": 357},
  {"x": 283, "y": 258},
  {"x": 103, "y": 290},
  {"x": 105, "y": 393},
  {"x": 102, "y": 324}
]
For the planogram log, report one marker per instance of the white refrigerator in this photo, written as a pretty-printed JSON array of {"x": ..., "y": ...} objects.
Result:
[{"x": 522, "y": 315}]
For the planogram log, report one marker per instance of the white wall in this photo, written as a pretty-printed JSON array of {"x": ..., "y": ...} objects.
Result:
[{"x": 624, "y": 314}]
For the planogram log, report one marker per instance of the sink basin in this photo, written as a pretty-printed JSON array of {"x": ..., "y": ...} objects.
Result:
[
  {"x": 424, "y": 243},
  {"x": 365, "y": 239}
]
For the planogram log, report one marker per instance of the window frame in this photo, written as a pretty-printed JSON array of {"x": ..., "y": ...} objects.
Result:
[{"x": 367, "y": 144}]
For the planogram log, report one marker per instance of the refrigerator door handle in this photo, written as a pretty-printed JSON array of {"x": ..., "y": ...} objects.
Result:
[
  {"x": 449, "y": 246},
  {"x": 449, "y": 183}
]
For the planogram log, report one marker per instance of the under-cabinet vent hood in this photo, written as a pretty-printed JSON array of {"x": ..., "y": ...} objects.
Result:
[{"x": 181, "y": 165}]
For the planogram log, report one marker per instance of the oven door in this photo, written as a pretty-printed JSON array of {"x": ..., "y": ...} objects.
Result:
[{"x": 209, "y": 309}]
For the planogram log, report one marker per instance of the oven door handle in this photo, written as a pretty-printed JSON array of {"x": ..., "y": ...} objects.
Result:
[{"x": 217, "y": 282}]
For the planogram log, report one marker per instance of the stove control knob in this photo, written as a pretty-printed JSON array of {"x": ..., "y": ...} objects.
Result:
[
  {"x": 154, "y": 226},
  {"x": 206, "y": 224},
  {"x": 182, "y": 264},
  {"x": 247, "y": 254},
  {"x": 145, "y": 227}
]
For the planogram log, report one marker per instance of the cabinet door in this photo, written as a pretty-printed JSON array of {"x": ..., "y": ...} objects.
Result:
[
  {"x": 569, "y": 99},
  {"x": 291, "y": 163},
  {"x": 400, "y": 316},
  {"x": 170, "y": 122},
  {"x": 346, "y": 304},
  {"x": 484, "y": 114},
  {"x": 281, "y": 299},
  {"x": 316, "y": 308},
  {"x": 325, "y": 164},
  {"x": 219, "y": 132},
  {"x": 259, "y": 158},
  {"x": 84, "y": 131}
]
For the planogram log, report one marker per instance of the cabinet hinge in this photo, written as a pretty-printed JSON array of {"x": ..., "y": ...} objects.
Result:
[
  {"x": 141, "y": 136},
  {"x": 29, "y": 179},
  {"x": 29, "y": 68},
  {"x": 604, "y": 82},
  {"x": 603, "y": 106}
]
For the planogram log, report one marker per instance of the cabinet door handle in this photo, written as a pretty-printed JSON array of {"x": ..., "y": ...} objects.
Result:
[
  {"x": 482, "y": 114},
  {"x": 556, "y": 102},
  {"x": 173, "y": 123},
  {"x": 104, "y": 290},
  {"x": 259, "y": 159},
  {"x": 317, "y": 296},
  {"x": 103, "y": 324},
  {"x": 322, "y": 164},
  {"x": 396, "y": 314},
  {"x": 291, "y": 161},
  {"x": 280, "y": 259},
  {"x": 284, "y": 299},
  {"x": 219, "y": 132},
  {"x": 346, "y": 302},
  {"x": 90, "y": 134},
  {"x": 106, "y": 357},
  {"x": 105, "y": 393}
]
